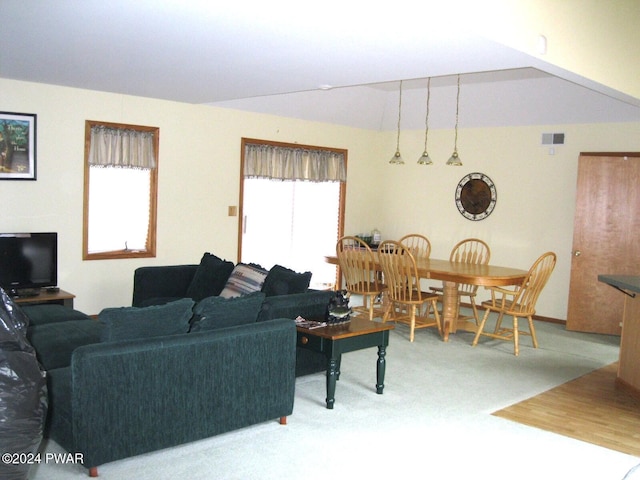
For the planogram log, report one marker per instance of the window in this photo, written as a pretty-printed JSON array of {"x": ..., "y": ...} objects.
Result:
[
  {"x": 292, "y": 206},
  {"x": 120, "y": 194}
]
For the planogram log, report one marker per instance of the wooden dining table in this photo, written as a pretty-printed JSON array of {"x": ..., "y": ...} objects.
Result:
[{"x": 454, "y": 273}]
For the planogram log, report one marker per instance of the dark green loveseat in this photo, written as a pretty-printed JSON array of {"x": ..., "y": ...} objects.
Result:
[{"x": 125, "y": 398}]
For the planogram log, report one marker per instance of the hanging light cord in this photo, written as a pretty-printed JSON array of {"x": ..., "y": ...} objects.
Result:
[
  {"x": 455, "y": 143},
  {"x": 399, "y": 114},
  {"x": 426, "y": 120}
]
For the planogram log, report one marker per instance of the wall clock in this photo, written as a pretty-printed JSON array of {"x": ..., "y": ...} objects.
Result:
[{"x": 476, "y": 196}]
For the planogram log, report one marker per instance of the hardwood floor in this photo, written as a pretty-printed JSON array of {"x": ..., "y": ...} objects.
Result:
[{"x": 590, "y": 408}]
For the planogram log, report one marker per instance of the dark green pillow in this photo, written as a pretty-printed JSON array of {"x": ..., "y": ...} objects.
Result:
[
  {"x": 219, "y": 312},
  {"x": 210, "y": 278},
  {"x": 284, "y": 281},
  {"x": 126, "y": 323}
]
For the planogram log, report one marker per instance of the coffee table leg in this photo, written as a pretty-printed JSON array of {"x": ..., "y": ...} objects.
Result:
[
  {"x": 380, "y": 368},
  {"x": 331, "y": 381}
]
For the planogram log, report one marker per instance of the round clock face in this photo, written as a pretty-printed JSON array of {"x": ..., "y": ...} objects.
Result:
[{"x": 476, "y": 196}]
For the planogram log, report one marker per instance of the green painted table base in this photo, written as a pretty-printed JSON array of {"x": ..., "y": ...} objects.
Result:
[{"x": 334, "y": 341}]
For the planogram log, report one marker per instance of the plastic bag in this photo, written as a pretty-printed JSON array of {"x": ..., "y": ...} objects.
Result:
[{"x": 23, "y": 393}]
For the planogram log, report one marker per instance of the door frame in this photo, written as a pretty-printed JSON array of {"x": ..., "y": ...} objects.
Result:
[{"x": 573, "y": 292}]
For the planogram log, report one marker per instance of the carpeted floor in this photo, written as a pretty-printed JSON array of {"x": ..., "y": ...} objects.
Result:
[{"x": 432, "y": 422}]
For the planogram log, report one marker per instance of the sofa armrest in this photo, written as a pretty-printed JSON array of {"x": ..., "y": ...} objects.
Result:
[{"x": 154, "y": 282}]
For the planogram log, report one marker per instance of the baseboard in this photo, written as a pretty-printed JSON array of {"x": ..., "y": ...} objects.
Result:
[
  {"x": 535, "y": 317},
  {"x": 550, "y": 319}
]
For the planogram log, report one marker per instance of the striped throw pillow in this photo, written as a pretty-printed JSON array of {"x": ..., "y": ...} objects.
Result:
[{"x": 244, "y": 279}]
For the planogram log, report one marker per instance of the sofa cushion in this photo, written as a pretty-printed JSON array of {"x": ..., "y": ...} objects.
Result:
[
  {"x": 245, "y": 278},
  {"x": 126, "y": 323},
  {"x": 149, "y": 302},
  {"x": 284, "y": 281},
  {"x": 51, "y": 313},
  {"x": 55, "y": 342},
  {"x": 218, "y": 312},
  {"x": 210, "y": 278},
  {"x": 311, "y": 304}
]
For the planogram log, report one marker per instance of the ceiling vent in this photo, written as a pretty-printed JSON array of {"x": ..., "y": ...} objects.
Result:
[{"x": 553, "y": 139}]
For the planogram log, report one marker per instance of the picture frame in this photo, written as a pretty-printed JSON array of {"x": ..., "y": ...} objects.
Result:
[{"x": 18, "y": 146}]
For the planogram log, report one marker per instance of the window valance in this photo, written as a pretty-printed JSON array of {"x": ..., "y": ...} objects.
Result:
[
  {"x": 121, "y": 147},
  {"x": 290, "y": 163}
]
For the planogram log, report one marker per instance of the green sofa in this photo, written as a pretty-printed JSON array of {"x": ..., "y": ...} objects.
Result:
[
  {"x": 120, "y": 387},
  {"x": 124, "y": 398},
  {"x": 286, "y": 295}
]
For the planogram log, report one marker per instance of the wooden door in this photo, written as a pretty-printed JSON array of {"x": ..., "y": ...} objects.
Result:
[{"x": 606, "y": 239}]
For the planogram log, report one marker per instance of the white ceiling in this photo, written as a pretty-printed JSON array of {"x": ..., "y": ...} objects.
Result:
[{"x": 261, "y": 57}]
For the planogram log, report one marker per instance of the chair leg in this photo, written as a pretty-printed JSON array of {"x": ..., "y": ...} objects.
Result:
[
  {"x": 475, "y": 311},
  {"x": 532, "y": 330},
  {"x": 516, "y": 350},
  {"x": 480, "y": 327},
  {"x": 371, "y": 303},
  {"x": 412, "y": 326},
  {"x": 387, "y": 311},
  {"x": 436, "y": 314},
  {"x": 498, "y": 323}
]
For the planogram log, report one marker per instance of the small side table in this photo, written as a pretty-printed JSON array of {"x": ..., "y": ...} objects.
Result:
[
  {"x": 60, "y": 297},
  {"x": 333, "y": 341}
]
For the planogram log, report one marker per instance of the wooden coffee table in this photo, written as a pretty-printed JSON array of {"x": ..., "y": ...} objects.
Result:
[{"x": 333, "y": 341}]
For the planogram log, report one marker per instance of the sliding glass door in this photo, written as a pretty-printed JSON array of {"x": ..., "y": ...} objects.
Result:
[{"x": 291, "y": 222}]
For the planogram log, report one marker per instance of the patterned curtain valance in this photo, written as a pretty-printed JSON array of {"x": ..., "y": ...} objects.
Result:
[
  {"x": 120, "y": 147},
  {"x": 290, "y": 163}
]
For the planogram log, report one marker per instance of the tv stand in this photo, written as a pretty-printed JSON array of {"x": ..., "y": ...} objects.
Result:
[
  {"x": 44, "y": 296},
  {"x": 24, "y": 292}
]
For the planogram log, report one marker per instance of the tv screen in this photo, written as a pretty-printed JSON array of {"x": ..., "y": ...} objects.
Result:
[{"x": 28, "y": 261}]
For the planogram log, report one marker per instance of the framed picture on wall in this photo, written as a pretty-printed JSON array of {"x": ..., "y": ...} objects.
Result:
[{"x": 17, "y": 146}]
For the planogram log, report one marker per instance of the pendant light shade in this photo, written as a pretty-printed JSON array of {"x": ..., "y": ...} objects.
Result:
[
  {"x": 454, "y": 160},
  {"x": 397, "y": 158},
  {"x": 424, "y": 158}
]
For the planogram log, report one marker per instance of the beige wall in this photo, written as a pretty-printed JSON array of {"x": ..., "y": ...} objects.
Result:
[
  {"x": 199, "y": 169},
  {"x": 536, "y": 190},
  {"x": 593, "y": 39},
  {"x": 198, "y": 178}
]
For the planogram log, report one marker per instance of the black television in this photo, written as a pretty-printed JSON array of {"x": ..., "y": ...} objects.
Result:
[{"x": 28, "y": 262}]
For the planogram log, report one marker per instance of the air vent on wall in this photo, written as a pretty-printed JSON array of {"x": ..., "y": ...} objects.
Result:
[{"x": 553, "y": 139}]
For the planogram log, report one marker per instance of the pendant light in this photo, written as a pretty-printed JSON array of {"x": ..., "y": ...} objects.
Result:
[
  {"x": 454, "y": 160},
  {"x": 397, "y": 158},
  {"x": 424, "y": 158}
]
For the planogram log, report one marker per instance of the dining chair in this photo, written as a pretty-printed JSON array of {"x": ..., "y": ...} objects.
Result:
[
  {"x": 472, "y": 251},
  {"x": 517, "y": 302},
  {"x": 417, "y": 244},
  {"x": 358, "y": 267},
  {"x": 405, "y": 297}
]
